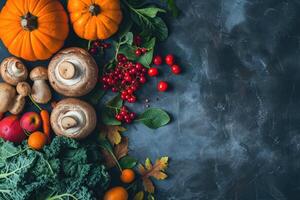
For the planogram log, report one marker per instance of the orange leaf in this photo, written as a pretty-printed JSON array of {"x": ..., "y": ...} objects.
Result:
[{"x": 156, "y": 171}]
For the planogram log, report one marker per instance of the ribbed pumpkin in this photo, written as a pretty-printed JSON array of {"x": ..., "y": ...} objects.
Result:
[
  {"x": 33, "y": 29},
  {"x": 95, "y": 19}
]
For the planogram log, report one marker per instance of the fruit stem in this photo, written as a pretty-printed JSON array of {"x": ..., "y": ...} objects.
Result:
[
  {"x": 29, "y": 22},
  {"x": 30, "y": 97}
]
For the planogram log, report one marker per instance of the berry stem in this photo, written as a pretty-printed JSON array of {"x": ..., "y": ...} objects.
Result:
[{"x": 30, "y": 97}]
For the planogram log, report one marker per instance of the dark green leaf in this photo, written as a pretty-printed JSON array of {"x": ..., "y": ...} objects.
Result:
[
  {"x": 154, "y": 118},
  {"x": 160, "y": 30},
  {"x": 108, "y": 117},
  {"x": 136, "y": 3},
  {"x": 115, "y": 102},
  {"x": 150, "y": 11},
  {"x": 173, "y": 7},
  {"x": 128, "y": 162},
  {"x": 127, "y": 39},
  {"x": 128, "y": 51},
  {"x": 104, "y": 144},
  {"x": 146, "y": 59}
]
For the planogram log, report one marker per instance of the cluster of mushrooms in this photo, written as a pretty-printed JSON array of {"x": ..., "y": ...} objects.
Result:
[{"x": 72, "y": 73}]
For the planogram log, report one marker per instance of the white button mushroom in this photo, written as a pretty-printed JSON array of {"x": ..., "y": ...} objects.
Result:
[
  {"x": 73, "y": 118},
  {"x": 41, "y": 92},
  {"x": 23, "y": 90},
  {"x": 13, "y": 70},
  {"x": 73, "y": 72}
]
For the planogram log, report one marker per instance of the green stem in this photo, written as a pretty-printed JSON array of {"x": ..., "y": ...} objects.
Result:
[
  {"x": 12, "y": 155},
  {"x": 5, "y": 175},
  {"x": 114, "y": 157},
  {"x": 5, "y": 191},
  {"x": 30, "y": 97},
  {"x": 89, "y": 44},
  {"x": 62, "y": 195}
]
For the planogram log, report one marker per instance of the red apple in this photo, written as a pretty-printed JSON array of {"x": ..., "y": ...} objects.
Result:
[
  {"x": 30, "y": 121},
  {"x": 10, "y": 129}
]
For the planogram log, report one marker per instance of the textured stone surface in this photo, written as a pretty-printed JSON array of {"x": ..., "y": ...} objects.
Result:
[{"x": 235, "y": 131}]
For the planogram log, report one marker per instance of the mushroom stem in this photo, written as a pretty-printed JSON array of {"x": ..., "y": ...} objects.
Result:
[
  {"x": 67, "y": 70},
  {"x": 16, "y": 69},
  {"x": 69, "y": 122}
]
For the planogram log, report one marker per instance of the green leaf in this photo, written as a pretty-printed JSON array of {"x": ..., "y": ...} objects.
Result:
[
  {"x": 127, "y": 39},
  {"x": 128, "y": 51},
  {"x": 154, "y": 26},
  {"x": 115, "y": 102},
  {"x": 139, "y": 196},
  {"x": 154, "y": 118},
  {"x": 173, "y": 7},
  {"x": 150, "y": 197},
  {"x": 104, "y": 143},
  {"x": 146, "y": 59},
  {"x": 128, "y": 162},
  {"x": 108, "y": 117},
  {"x": 151, "y": 11}
]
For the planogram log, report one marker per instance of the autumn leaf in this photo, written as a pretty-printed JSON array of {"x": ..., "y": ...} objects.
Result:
[
  {"x": 156, "y": 171},
  {"x": 119, "y": 151},
  {"x": 139, "y": 196},
  {"x": 113, "y": 133}
]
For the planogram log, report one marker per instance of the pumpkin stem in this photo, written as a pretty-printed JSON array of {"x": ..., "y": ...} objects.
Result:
[
  {"x": 94, "y": 9},
  {"x": 29, "y": 22}
]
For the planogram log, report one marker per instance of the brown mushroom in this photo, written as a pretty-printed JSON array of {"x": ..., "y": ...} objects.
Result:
[
  {"x": 73, "y": 118},
  {"x": 23, "y": 90},
  {"x": 7, "y": 96},
  {"x": 41, "y": 92},
  {"x": 73, "y": 72},
  {"x": 13, "y": 70}
]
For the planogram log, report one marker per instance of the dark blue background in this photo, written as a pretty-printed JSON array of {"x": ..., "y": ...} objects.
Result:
[{"x": 236, "y": 114}]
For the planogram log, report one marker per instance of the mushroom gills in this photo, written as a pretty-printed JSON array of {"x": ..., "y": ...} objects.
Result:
[
  {"x": 15, "y": 69},
  {"x": 72, "y": 121},
  {"x": 74, "y": 72}
]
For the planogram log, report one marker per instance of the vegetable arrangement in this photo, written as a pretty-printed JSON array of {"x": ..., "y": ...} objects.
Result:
[{"x": 87, "y": 157}]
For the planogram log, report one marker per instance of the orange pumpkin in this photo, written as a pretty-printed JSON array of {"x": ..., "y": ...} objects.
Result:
[
  {"x": 95, "y": 19},
  {"x": 33, "y": 29}
]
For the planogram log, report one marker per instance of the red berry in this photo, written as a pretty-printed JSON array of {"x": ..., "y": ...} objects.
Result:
[
  {"x": 119, "y": 117},
  {"x": 138, "y": 52},
  {"x": 120, "y": 57},
  {"x": 157, "y": 60},
  {"x": 97, "y": 44},
  {"x": 144, "y": 50},
  {"x": 132, "y": 115},
  {"x": 106, "y": 45},
  {"x": 153, "y": 71},
  {"x": 137, "y": 40},
  {"x": 139, "y": 66},
  {"x": 143, "y": 79},
  {"x": 132, "y": 99},
  {"x": 128, "y": 121},
  {"x": 114, "y": 89},
  {"x": 176, "y": 69},
  {"x": 162, "y": 86},
  {"x": 170, "y": 59},
  {"x": 93, "y": 51}
]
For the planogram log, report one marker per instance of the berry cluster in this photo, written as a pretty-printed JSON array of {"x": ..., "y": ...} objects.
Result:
[
  {"x": 97, "y": 45},
  {"x": 125, "y": 116},
  {"x": 140, "y": 51},
  {"x": 125, "y": 78},
  {"x": 153, "y": 71}
]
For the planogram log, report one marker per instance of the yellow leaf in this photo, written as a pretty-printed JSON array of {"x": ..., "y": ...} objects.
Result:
[
  {"x": 139, "y": 196},
  {"x": 113, "y": 133},
  {"x": 156, "y": 171},
  {"x": 148, "y": 185}
]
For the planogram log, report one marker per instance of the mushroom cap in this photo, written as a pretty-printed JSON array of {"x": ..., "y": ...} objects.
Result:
[
  {"x": 13, "y": 70},
  {"x": 39, "y": 73},
  {"x": 73, "y": 72},
  {"x": 7, "y": 95},
  {"x": 73, "y": 118},
  {"x": 23, "y": 88}
]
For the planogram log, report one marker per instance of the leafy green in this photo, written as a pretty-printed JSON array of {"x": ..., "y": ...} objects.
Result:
[
  {"x": 148, "y": 21},
  {"x": 65, "y": 170},
  {"x": 154, "y": 118},
  {"x": 172, "y": 7},
  {"x": 109, "y": 110},
  {"x": 146, "y": 59},
  {"x": 150, "y": 11},
  {"x": 128, "y": 162}
]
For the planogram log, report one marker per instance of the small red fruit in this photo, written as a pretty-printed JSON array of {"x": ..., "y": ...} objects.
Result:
[
  {"x": 170, "y": 59},
  {"x": 157, "y": 60},
  {"x": 176, "y": 69},
  {"x": 153, "y": 71},
  {"x": 162, "y": 86},
  {"x": 138, "y": 52}
]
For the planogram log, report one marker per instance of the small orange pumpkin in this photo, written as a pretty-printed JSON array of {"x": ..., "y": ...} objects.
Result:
[
  {"x": 95, "y": 19},
  {"x": 33, "y": 29}
]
